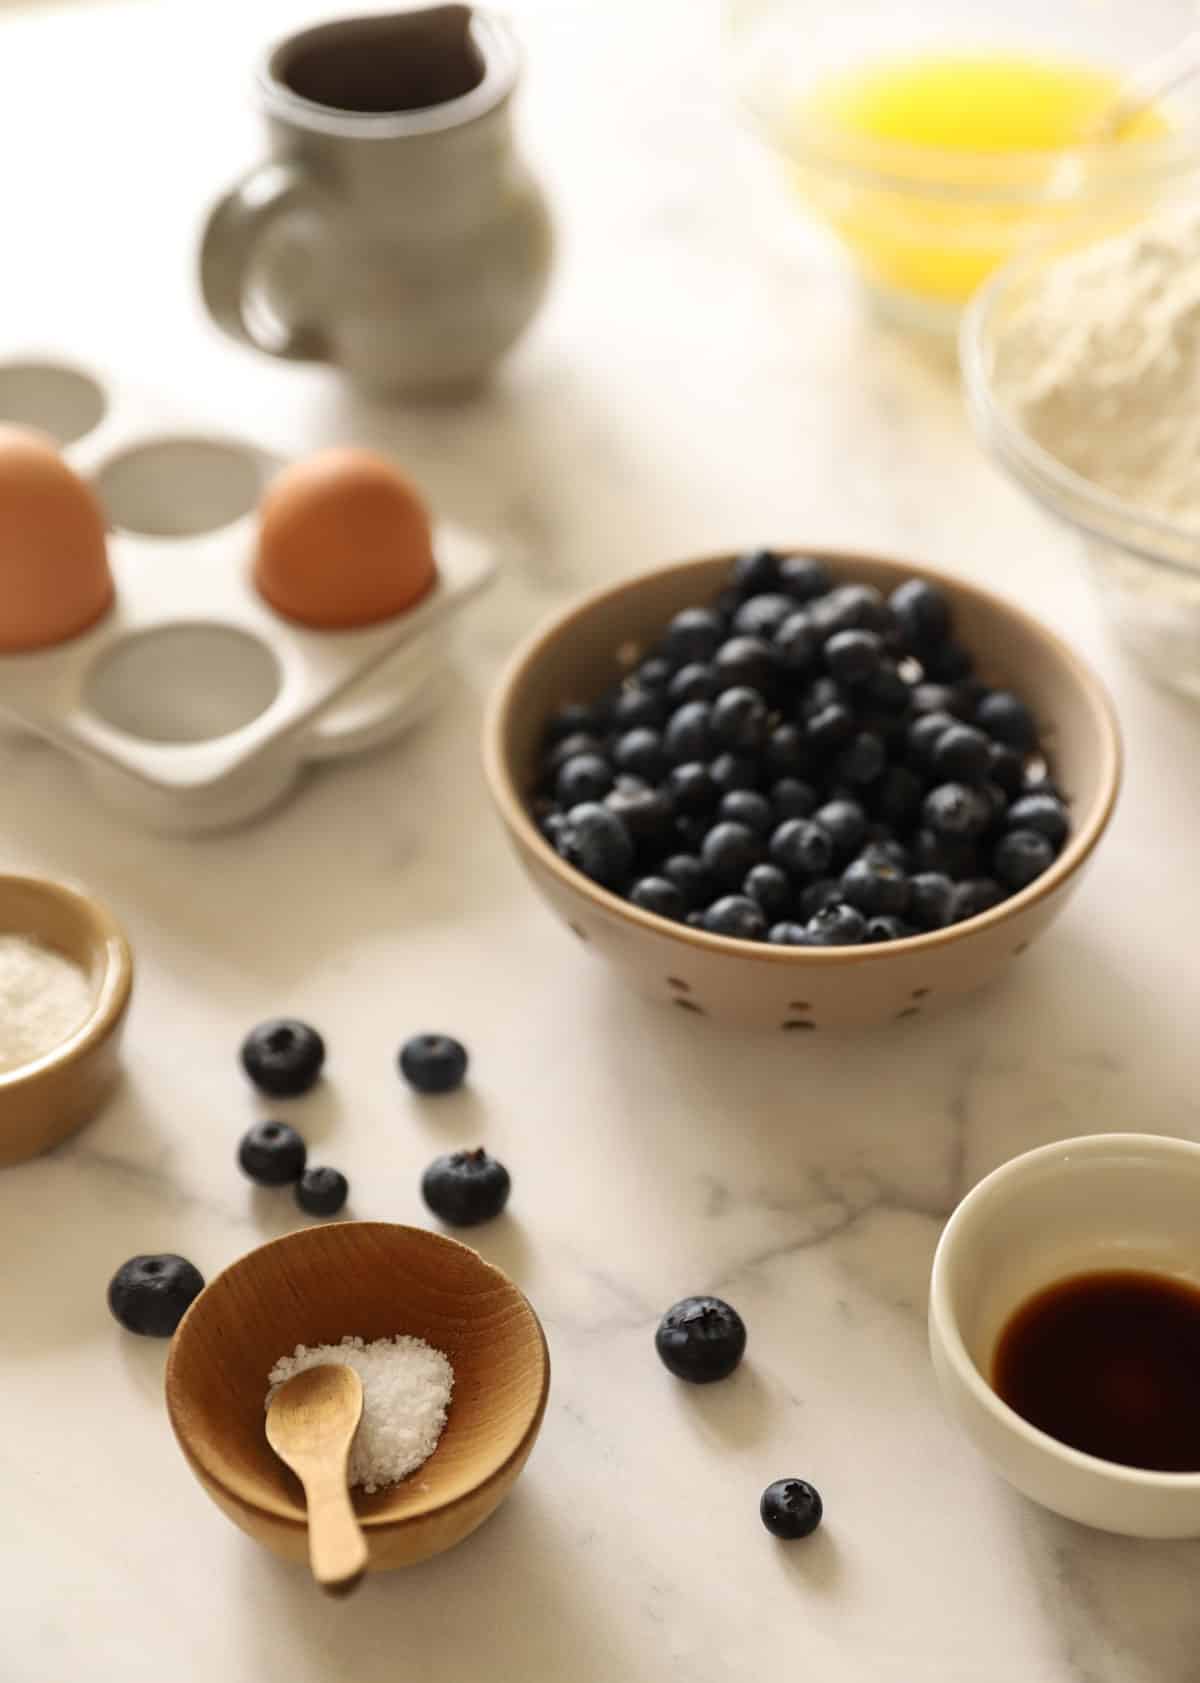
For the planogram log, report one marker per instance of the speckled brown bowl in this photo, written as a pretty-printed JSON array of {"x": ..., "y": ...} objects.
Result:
[
  {"x": 44, "y": 1101},
  {"x": 754, "y": 985}
]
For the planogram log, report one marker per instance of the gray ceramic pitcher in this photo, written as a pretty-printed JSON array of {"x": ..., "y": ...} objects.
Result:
[{"x": 425, "y": 239}]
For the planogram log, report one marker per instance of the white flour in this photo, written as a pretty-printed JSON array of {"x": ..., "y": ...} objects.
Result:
[
  {"x": 1102, "y": 364},
  {"x": 43, "y": 999}
]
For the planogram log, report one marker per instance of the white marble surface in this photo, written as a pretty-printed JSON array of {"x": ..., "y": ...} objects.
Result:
[{"x": 696, "y": 382}]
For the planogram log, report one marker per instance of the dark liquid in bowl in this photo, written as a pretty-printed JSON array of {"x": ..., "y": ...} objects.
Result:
[{"x": 1109, "y": 1363}]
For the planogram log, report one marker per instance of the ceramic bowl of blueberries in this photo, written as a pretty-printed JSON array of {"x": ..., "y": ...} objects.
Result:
[
  {"x": 370, "y": 1280},
  {"x": 799, "y": 791}
]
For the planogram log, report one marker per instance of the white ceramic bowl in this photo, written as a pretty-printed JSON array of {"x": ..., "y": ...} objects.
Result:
[{"x": 1101, "y": 1202}]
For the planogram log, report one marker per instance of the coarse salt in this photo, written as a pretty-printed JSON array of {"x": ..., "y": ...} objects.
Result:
[
  {"x": 406, "y": 1392},
  {"x": 43, "y": 999}
]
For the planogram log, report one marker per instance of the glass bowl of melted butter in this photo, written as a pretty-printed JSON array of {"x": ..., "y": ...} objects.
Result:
[{"x": 935, "y": 140}]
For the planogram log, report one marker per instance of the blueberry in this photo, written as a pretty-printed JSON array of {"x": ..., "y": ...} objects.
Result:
[
  {"x": 728, "y": 852},
  {"x": 961, "y": 754},
  {"x": 747, "y": 662},
  {"x": 898, "y": 796},
  {"x": 283, "y": 1057},
  {"x": 1005, "y": 716},
  {"x": 884, "y": 848},
  {"x": 761, "y": 616},
  {"x": 433, "y": 1063},
  {"x": 796, "y": 643},
  {"x": 826, "y": 891},
  {"x": 322, "y": 1192},
  {"x": 1006, "y": 769},
  {"x": 1021, "y": 856},
  {"x": 567, "y": 749},
  {"x": 151, "y": 1294},
  {"x": 845, "y": 823},
  {"x": 645, "y": 812},
  {"x": 977, "y": 895},
  {"x": 853, "y": 657},
  {"x": 954, "y": 810},
  {"x": 740, "y": 720},
  {"x": 862, "y": 760},
  {"x": 687, "y": 873},
  {"x": 803, "y": 577},
  {"x": 791, "y": 798},
  {"x": 688, "y": 735},
  {"x": 836, "y": 925},
  {"x": 947, "y": 662},
  {"x": 660, "y": 896},
  {"x": 888, "y": 692},
  {"x": 464, "y": 1188},
  {"x": 790, "y": 1508},
  {"x": 788, "y": 935},
  {"x": 272, "y": 1154},
  {"x": 930, "y": 896},
  {"x": 769, "y": 888},
  {"x": 955, "y": 858},
  {"x": 736, "y": 915},
  {"x": 876, "y": 886},
  {"x": 1043, "y": 813},
  {"x": 575, "y": 718},
  {"x": 691, "y": 788},
  {"x": 597, "y": 843},
  {"x": 802, "y": 847},
  {"x": 886, "y": 928},
  {"x": 690, "y": 829},
  {"x": 693, "y": 634},
  {"x": 823, "y": 691},
  {"x": 695, "y": 682},
  {"x": 551, "y": 826},
  {"x": 695, "y": 920},
  {"x": 933, "y": 698},
  {"x": 831, "y": 728},
  {"x": 655, "y": 673},
  {"x": 700, "y": 1339},
  {"x": 924, "y": 734},
  {"x": 787, "y": 753},
  {"x": 748, "y": 807},
  {"x": 922, "y": 613},
  {"x": 638, "y": 709},
  {"x": 640, "y": 752},
  {"x": 585, "y": 777},
  {"x": 755, "y": 571},
  {"x": 734, "y": 771},
  {"x": 851, "y": 607}
]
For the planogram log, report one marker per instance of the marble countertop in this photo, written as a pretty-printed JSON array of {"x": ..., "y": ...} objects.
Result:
[{"x": 698, "y": 381}]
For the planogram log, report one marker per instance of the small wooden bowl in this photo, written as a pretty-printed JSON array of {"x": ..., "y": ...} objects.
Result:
[
  {"x": 752, "y": 984},
  {"x": 369, "y": 1279},
  {"x": 44, "y": 1101}
]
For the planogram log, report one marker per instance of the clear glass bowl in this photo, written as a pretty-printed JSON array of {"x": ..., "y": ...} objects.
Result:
[
  {"x": 924, "y": 226},
  {"x": 1146, "y": 568}
]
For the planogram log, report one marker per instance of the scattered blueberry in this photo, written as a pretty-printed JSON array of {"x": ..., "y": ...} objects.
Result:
[
  {"x": 597, "y": 843},
  {"x": 1006, "y": 717},
  {"x": 283, "y": 1057},
  {"x": 433, "y": 1063},
  {"x": 790, "y": 1509},
  {"x": 464, "y": 1188},
  {"x": 836, "y": 925},
  {"x": 660, "y": 896},
  {"x": 272, "y": 1154},
  {"x": 736, "y": 915},
  {"x": 701, "y": 1339},
  {"x": 1020, "y": 857},
  {"x": 151, "y": 1294},
  {"x": 322, "y": 1192}
]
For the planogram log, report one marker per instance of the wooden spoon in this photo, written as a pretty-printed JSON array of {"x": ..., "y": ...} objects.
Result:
[{"x": 310, "y": 1425}]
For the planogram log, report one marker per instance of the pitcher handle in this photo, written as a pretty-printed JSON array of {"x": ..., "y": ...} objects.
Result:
[{"x": 236, "y": 225}]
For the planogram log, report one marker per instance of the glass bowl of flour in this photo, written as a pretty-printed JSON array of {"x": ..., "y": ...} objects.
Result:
[{"x": 1081, "y": 363}]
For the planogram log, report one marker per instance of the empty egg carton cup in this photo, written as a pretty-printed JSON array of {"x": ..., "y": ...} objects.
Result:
[{"x": 190, "y": 701}]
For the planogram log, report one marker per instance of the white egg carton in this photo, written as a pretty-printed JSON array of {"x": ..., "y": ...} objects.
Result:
[{"x": 192, "y": 704}]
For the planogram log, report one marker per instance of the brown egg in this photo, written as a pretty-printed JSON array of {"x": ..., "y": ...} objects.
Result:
[
  {"x": 344, "y": 540},
  {"x": 54, "y": 577}
]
